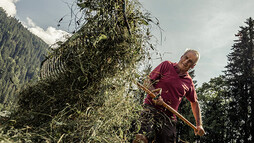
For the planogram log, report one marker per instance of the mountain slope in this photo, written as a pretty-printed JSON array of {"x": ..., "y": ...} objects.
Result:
[{"x": 20, "y": 55}]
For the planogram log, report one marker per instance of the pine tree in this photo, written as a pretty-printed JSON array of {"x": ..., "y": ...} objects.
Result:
[
  {"x": 240, "y": 78},
  {"x": 20, "y": 55}
]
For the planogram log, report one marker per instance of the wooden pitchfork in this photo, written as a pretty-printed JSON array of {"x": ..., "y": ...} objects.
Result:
[{"x": 167, "y": 106}]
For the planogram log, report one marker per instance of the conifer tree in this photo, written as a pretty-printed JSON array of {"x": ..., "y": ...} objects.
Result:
[
  {"x": 240, "y": 77},
  {"x": 20, "y": 55}
]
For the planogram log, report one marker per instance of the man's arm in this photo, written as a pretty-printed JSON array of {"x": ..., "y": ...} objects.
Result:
[
  {"x": 197, "y": 114},
  {"x": 149, "y": 84}
]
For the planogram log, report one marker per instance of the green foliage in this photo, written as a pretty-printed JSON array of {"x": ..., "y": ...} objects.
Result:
[
  {"x": 227, "y": 101},
  {"x": 214, "y": 108},
  {"x": 20, "y": 55},
  {"x": 214, "y": 105},
  {"x": 240, "y": 77}
]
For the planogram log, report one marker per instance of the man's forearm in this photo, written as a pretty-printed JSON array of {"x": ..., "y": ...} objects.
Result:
[{"x": 197, "y": 113}]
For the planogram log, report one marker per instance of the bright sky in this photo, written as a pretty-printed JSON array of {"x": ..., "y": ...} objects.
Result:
[{"x": 205, "y": 25}]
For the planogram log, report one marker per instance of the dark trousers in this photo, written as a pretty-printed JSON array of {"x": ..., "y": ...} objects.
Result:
[{"x": 157, "y": 126}]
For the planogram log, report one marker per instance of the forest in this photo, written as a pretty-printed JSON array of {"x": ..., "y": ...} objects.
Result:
[
  {"x": 85, "y": 90},
  {"x": 21, "y": 54}
]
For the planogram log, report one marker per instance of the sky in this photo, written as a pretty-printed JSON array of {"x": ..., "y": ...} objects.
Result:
[{"x": 207, "y": 26}]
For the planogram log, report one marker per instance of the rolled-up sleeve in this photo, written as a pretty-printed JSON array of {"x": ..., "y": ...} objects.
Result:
[{"x": 192, "y": 95}]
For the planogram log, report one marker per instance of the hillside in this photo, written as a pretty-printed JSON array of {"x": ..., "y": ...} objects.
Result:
[{"x": 20, "y": 55}]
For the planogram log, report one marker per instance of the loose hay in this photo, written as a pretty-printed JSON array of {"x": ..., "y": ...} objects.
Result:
[{"x": 90, "y": 99}]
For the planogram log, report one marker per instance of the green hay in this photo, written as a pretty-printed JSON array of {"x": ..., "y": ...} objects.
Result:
[{"x": 93, "y": 100}]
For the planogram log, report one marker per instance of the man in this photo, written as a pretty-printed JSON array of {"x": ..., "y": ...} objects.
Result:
[{"x": 157, "y": 123}]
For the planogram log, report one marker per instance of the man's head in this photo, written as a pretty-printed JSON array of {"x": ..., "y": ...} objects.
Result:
[{"x": 188, "y": 60}]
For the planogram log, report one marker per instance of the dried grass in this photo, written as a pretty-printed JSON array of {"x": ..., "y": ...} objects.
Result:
[{"x": 92, "y": 99}]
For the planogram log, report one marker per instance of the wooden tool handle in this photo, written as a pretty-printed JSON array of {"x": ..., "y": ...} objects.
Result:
[{"x": 168, "y": 107}]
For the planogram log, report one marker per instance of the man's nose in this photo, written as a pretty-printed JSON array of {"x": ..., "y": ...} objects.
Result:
[{"x": 185, "y": 61}]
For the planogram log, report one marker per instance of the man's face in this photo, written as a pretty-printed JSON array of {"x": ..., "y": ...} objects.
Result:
[{"x": 187, "y": 61}]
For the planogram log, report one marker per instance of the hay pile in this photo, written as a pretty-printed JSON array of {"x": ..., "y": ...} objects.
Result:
[{"x": 92, "y": 98}]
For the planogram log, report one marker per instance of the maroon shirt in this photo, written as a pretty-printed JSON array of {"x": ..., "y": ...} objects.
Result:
[{"x": 174, "y": 86}]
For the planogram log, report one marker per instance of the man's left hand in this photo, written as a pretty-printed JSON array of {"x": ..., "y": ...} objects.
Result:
[{"x": 200, "y": 131}]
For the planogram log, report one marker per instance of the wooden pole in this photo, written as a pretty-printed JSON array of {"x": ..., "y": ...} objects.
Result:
[{"x": 168, "y": 107}]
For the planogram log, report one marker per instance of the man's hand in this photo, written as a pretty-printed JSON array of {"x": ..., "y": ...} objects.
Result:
[
  {"x": 159, "y": 101},
  {"x": 200, "y": 131}
]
